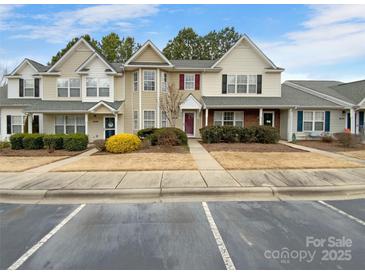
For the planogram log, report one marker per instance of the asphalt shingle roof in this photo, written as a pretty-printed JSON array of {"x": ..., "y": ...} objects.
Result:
[
  {"x": 34, "y": 105},
  {"x": 354, "y": 91},
  {"x": 38, "y": 66},
  {"x": 290, "y": 97},
  {"x": 193, "y": 63}
]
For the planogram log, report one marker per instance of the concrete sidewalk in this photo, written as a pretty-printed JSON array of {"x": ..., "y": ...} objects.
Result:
[
  {"x": 203, "y": 159},
  {"x": 203, "y": 184}
]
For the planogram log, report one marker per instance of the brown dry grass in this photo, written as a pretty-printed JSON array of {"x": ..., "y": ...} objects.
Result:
[
  {"x": 37, "y": 152},
  {"x": 360, "y": 154},
  {"x": 15, "y": 163},
  {"x": 331, "y": 147},
  {"x": 278, "y": 160},
  {"x": 132, "y": 161},
  {"x": 249, "y": 147}
]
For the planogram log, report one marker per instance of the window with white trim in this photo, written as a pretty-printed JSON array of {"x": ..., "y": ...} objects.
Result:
[
  {"x": 189, "y": 81},
  {"x": 313, "y": 120},
  {"x": 97, "y": 87},
  {"x": 28, "y": 87},
  {"x": 228, "y": 118},
  {"x": 149, "y": 119},
  {"x": 69, "y": 124},
  {"x": 135, "y": 120},
  {"x": 135, "y": 81},
  {"x": 149, "y": 80},
  {"x": 242, "y": 84},
  {"x": 17, "y": 124},
  {"x": 164, "y": 86},
  {"x": 68, "y": 87},
  {"x": 163, "y": 119}
]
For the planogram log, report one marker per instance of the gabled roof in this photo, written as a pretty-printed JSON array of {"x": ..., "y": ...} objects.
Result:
[
  {"x": 91, "y": 47},
  {"x": 253, "y": 45},
  {"x": 145, "y": 45},
  {"x": 38, "y": 67},
  {"x": 190, "y": 102},
  {"x": 351, "y": 93},
  {"x": 81, "y": 68}
]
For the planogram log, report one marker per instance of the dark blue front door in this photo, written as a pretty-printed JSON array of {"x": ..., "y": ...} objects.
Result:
[{"x": 109, "y": 127}]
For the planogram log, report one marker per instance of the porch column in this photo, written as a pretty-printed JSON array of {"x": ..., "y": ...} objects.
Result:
[
  {"x": 290, "y": 125},
  {"x": 352, "y": 120},
  {"x": 86, "y": 123},
  {"x": 30, "y": 123},
  {"x": 140, "y": 97},
  {"x": 261, "y": 117},
  {"x": 158, "y": 85},
  {"x": 357, "y": 122},
  {"x": 206, "y": 117},
  {"x": 116, "y": 122}
]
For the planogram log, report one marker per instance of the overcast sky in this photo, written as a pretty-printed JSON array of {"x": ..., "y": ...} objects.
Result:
[{"x": 310, "y": 42}]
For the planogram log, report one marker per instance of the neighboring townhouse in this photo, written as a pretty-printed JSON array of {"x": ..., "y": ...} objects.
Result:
[{"x": 83, "y": 92}]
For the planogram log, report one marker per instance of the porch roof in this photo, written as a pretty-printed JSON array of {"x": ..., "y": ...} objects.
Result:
[
  {"x": 290, "y": 97},
  {"x": 37, "y": 105}
]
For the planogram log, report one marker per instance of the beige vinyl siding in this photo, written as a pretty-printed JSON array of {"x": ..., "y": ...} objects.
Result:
[
  {"x": 49, "y": 123},
  {"x": 243, "y": 60},
  {"x": 119, "y": 88},
  {"x": 50, "y": 89},
  {"x": 131, "y": 102},
  {"x": 149, "y": 55},
  {"x": 26, "y": 72},
  {"x": 337, "y": 123}
]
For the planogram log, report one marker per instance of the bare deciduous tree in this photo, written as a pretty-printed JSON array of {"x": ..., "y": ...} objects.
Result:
[
  {"x": 3, "y": 72},
  {"x": 170, "y": 104}
]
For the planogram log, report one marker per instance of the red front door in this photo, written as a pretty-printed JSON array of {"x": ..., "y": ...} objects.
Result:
[{"x": 189, "y": 123}]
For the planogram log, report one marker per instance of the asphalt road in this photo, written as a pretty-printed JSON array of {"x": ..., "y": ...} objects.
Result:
[{"x": 254, "y": 235}]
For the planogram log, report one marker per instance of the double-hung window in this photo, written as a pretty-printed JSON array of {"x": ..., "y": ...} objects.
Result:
[
  {"x": 164, "y": 82},
  {"x": 149, "y": 80},
  {"x": 97, "y": 87},
  {"x": 28, "y": 87},
  {"x": 135, "y": 81},
  {"x": 148, "y": 119},
  {"x": 242, "y": 84},
  {"x": 313, "y": 120},
  {"x": 189, "y": 81},
  {"x": 68, "y": 87},
  {"x": 17, "y": 124},
  {"x": 228, "y": 118},
  {"x": 69, "y": 124}
]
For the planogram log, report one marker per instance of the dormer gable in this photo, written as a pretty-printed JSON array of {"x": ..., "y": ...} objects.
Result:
[{"x": 148, "y": 54}]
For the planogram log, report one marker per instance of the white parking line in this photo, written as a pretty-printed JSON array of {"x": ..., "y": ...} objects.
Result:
[
  {"x": 218, "y": 238},
  {"x": 35, "y": 247},
  {"x": 343, "y": 213}
]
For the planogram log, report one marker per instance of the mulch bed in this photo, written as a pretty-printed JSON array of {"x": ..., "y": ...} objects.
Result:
[
  {"x": 249, "y": 147},
  {"x": 36, "y": 152},
  {"x": 331, "y": 147},
  {"x": 155, "y": 149}
]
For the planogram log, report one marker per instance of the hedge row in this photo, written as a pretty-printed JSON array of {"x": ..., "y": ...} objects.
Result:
[
  {"x": 232, "y": 134},
  {"x": 71, "y": 142},
  {"x": 164, "y": 136}
]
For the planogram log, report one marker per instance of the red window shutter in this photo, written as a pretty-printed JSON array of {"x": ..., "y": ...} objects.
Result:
[
  {"x": 197, "y": 81},
  {"x": 181, "y": 85}
]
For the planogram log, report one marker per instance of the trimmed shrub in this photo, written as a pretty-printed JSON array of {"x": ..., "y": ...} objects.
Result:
[
  {"x": 4, "y": 144},
  {"x": 348, "y": 139},
  {"x": 230, "y": 134},
  {"x": 122, "y": 143},
  {"x": 180, "y": 135},
  {"x": 166, "y": 137},
  {"x": 100, "y": 144},
  {"x": 211, "y": 134},
  {"x": 75, "y": 142},
  {"x": 33, "y": 141},
  {"x": 53, "y": 141},
  {"x": 327, "y": 138},
  {"x": 266, "y": 134},
  {"x": 144, "y": 133},
  {"x": 16, "y": 141}
]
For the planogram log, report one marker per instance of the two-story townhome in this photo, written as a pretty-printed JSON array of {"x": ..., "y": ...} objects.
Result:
[{"x": 83, "y": 92}]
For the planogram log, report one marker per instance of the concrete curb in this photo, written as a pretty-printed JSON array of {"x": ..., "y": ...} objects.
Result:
[{"x": 181, "y": 194}]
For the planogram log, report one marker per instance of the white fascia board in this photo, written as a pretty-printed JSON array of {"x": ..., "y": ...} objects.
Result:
[
  {"x": 319, "y": 94},
  {"x": 148, "y": 43},
  {"x": 99, "y": 104},
  {"x": 25, "y": 61},
  {"x": 253, "y": 45}
]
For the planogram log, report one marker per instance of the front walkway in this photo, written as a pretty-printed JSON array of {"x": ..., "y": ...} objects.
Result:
[{"x": 203, "y": 159}]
